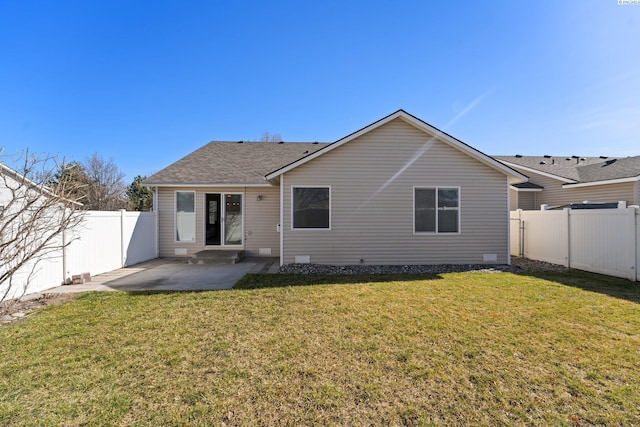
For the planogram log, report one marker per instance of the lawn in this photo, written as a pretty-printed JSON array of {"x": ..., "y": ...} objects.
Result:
[{"x": 454, "y": 349}]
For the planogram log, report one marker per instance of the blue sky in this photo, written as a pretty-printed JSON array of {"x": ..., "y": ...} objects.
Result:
[{"x": 146, "y": 82}]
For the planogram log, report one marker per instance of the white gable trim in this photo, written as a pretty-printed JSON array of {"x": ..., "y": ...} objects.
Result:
[
  {"x": 539, "y": 172},
  {"x": 182, "y": 185},
  {"x": 610, "y": 181},
  {"x": 525, "y": 189},
  {"x": 515, "y": 176}
]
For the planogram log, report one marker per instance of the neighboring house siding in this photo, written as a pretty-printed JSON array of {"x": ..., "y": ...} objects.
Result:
[
  {"x": 5, "y": 194},
  {"x": 554, "y": 195},
  {"x": 260, "y": 219},
  {"x": 601, "y": 193},
  {"x": 513, "y": 200},
  {"x": 526, "y": 200},
  {"x": 372, "y": 212}
]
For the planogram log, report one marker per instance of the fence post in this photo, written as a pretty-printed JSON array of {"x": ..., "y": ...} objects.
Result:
[
  {"x": 156, "y": 221},
  {"x": 122, "y": 248},
  {"x": 568, "y": 222},
  {"x": 521, "y": 232},
  {"x": 636, "y": 213},
  {"x": 64, "y": 257}
]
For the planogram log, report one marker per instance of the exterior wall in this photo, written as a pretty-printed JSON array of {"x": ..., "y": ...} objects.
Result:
[
  {"x": 372, "y": 180},
  {"x": 524, "y": 200},
  {"x": 513, "y": 200},
  {"x": 554, "y": 195},
  {"x": 260, "y": 220}
]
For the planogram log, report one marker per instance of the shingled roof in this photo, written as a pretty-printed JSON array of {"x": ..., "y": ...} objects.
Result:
[
  {"x": 227, "y": 162},
  {"x": 579, "y": 169}
]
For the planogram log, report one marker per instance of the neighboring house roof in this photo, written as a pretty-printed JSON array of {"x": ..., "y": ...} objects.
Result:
[
  {"x": 528, "y": 186},
  {"x": 514, "y": 175},
  {"x": 610, "y": 169},
  {"x": 231, "y": 163},
  {"x": 576, "y": 170}
]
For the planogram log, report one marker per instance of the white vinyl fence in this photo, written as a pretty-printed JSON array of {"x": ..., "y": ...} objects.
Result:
[
  {"x": 603, "y": 241},
  {"x": 105, "y": 241}
]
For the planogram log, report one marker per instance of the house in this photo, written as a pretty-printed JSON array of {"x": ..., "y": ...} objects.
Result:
[
  {"x": 567, "y": 180},
  {"x": 397, "y": 191}
]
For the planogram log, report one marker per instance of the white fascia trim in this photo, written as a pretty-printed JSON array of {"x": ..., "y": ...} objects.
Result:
[
  {"x": 493, "y": 163},
  {"x": 539, "y": 172},
  {"x": 525, "y": 189},
  {"x": 151, "y": 184},
  {"x": 610, "y": 181}
]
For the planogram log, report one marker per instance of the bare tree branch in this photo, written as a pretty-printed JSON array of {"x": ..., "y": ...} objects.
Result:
[
  {"x": 270, "y": 137},
  {"x": 106, "y": 189},
  {"x": 35, "y": 212}
]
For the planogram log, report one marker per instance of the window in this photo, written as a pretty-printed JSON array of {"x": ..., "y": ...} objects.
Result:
[
  {"x": 311, "y": 207},
  {"x": 436, "y": 210},
  {"x": 185, "y": 216}
]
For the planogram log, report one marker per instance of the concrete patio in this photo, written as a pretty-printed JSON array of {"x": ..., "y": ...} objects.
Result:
[{"x": 173, "y": 274}]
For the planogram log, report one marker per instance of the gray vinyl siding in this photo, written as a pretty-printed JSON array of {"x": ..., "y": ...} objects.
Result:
[
  {"x": 260, "y": 219},
  {"x": 601, "y": 193},
  {"x": 372, "y": 202},
  {"x": 554, "y": 195},
  {"x": 513, "y": 200},
  {"x": 525, "y": 200}
]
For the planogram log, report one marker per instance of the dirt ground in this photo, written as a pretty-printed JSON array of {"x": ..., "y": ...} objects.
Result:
[{"x": 15, "y": 310}]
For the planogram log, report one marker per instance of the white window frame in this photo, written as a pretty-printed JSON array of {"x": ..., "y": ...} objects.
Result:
[
  {"x": 223, "y": 211},
  {"x": 175, "y": 216},
  {"x": 436, "y": 188},
  {"x": 330, "y": 204}
]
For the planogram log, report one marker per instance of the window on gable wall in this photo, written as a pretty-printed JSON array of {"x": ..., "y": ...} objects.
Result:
[
  {"x": 436, "y": 210},
  {"x": 311, "y": 208}
]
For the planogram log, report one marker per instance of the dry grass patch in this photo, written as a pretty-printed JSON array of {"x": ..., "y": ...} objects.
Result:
[{"x": 458, "y": 349}]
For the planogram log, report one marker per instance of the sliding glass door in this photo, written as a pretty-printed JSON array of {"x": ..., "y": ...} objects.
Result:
[
  {"x": 233, "y": 219},
  {"x": 223, "y": 219}
]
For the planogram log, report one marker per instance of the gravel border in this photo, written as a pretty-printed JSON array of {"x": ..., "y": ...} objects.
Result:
[{"x": 518, "y": 265}]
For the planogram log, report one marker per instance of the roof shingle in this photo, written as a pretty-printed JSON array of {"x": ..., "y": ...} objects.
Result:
[
  {"x": 580, "y": 169},
  {"x": 226, "y": 162}
]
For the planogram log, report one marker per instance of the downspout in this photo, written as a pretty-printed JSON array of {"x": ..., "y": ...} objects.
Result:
[
  {"x": 282, "y": 220},
  {"x": 154, "y": 208}
]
